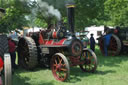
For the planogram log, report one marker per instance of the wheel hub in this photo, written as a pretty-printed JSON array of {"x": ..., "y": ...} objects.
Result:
[
  {"x": 58, "y": 67},
  {"x": 87, "y": 61}
]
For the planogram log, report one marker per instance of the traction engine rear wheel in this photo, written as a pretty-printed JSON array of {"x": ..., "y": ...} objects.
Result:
[
  {"x": 3, "y": 45},
  {"x": 90, "y": 61},
  {"x": 60, "y": 67},
  {"x": 114, "y": 47},
  {"x": 27, "y": 52}
]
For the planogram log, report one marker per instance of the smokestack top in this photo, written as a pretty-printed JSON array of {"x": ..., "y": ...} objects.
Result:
[
  {"x": 70, "y": 5},
  {"x": 2, "y": 10}
]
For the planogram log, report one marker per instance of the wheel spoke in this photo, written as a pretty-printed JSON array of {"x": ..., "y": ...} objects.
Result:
[
  {"x": 88, "y": 55},
  {"x": 55, "y": 62},
  {"x": 55, "y": 70},
  {"x": 60, "y": 75},
  {"x": 90, "y": 62},
  {"x": 84, "y": 54},
  {"x": 63, "y": 69},
  {"x": 54, "y": 65},
  {"x": 58, "y": 58},
  {"x": 60, "y": 67},
  {"x": 60, "y": 61},
  {"x": 63, "y": 65}
]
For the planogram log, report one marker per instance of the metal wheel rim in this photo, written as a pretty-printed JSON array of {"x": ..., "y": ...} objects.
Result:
[
  {"x": 113, "y": 46},
  {"x": 59, "y": 68},
  {"x": 25, "y": 51},
  {"x": 101, "y": 43},
  {"x": 90, "y": 64}
]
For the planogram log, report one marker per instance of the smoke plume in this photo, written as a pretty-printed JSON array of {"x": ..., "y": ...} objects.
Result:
[
  {"x": 49, "y": 10},
  {"x": 59, "y": 3}
]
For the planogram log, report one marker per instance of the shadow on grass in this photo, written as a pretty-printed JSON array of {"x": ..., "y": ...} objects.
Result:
[
  {"x": 46, "y": 83},
  {"x": 22, "y": 70},
  {"x": 18, "y": 80},
  {"x": 110, "y": 61},
  {"x": 26, "y": 80},
  {"x": 104, "y": 72},
  {"x": 76, "y": 73}
]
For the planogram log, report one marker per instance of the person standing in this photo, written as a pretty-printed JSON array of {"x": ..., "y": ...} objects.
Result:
[
  {"x": 12, "y": 52},
  {"x": 106, "y": 39},
  {"x": 92, "y": 43}
]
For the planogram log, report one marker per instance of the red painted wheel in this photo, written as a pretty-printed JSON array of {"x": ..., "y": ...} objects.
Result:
[
  {"x": 114, "y": 47},
  {"x": 90, "y": 61},
  {"x": 60, "y": 67},
  {"x": 101, "y": 45}
]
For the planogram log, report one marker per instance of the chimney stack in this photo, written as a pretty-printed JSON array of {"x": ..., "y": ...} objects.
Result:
[{"x": 70, "y": 13}]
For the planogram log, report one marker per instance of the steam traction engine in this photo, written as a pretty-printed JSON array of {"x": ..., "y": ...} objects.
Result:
[
  {"x": 118, "y": 42},
  {"x": 57, "y": 49},
  {"x": 5, "y": 59}
]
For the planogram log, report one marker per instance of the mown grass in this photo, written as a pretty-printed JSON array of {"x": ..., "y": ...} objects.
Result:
[{"x": 112, "y": 70}]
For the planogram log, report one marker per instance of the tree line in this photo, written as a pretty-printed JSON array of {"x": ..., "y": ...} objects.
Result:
[{"x": 29, "y": 13}]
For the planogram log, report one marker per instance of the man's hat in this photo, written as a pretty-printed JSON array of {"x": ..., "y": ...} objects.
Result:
[{"x": 91, "y": 34}]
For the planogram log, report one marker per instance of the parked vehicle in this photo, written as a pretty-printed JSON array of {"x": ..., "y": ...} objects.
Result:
[
  {"x": 4, "y": 54},
  {"x": 56, "y": 48},
  {"x": 118, "y": 42}
]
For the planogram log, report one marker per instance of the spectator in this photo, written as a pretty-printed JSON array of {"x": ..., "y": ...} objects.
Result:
[
  {"x": 92, "y": 42},
  {"x": 106, "y": 38},
  {"x": 12, "y": 52}
]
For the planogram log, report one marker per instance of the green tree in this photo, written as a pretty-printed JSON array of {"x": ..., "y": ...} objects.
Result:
[
  {"x": 117, "y": 10},
  {"x": 14, "y": 17},
  {"x": 20, "y": 13},
  {"x": 87, "y": 12}
]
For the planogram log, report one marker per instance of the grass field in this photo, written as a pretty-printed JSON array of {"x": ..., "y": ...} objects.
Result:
[{"x": 112, "y": 70}]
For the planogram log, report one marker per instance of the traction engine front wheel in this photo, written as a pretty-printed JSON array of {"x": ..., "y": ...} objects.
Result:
[
  {"x": 60, "y": 67},
  {"x": 90, "y": 61}
]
